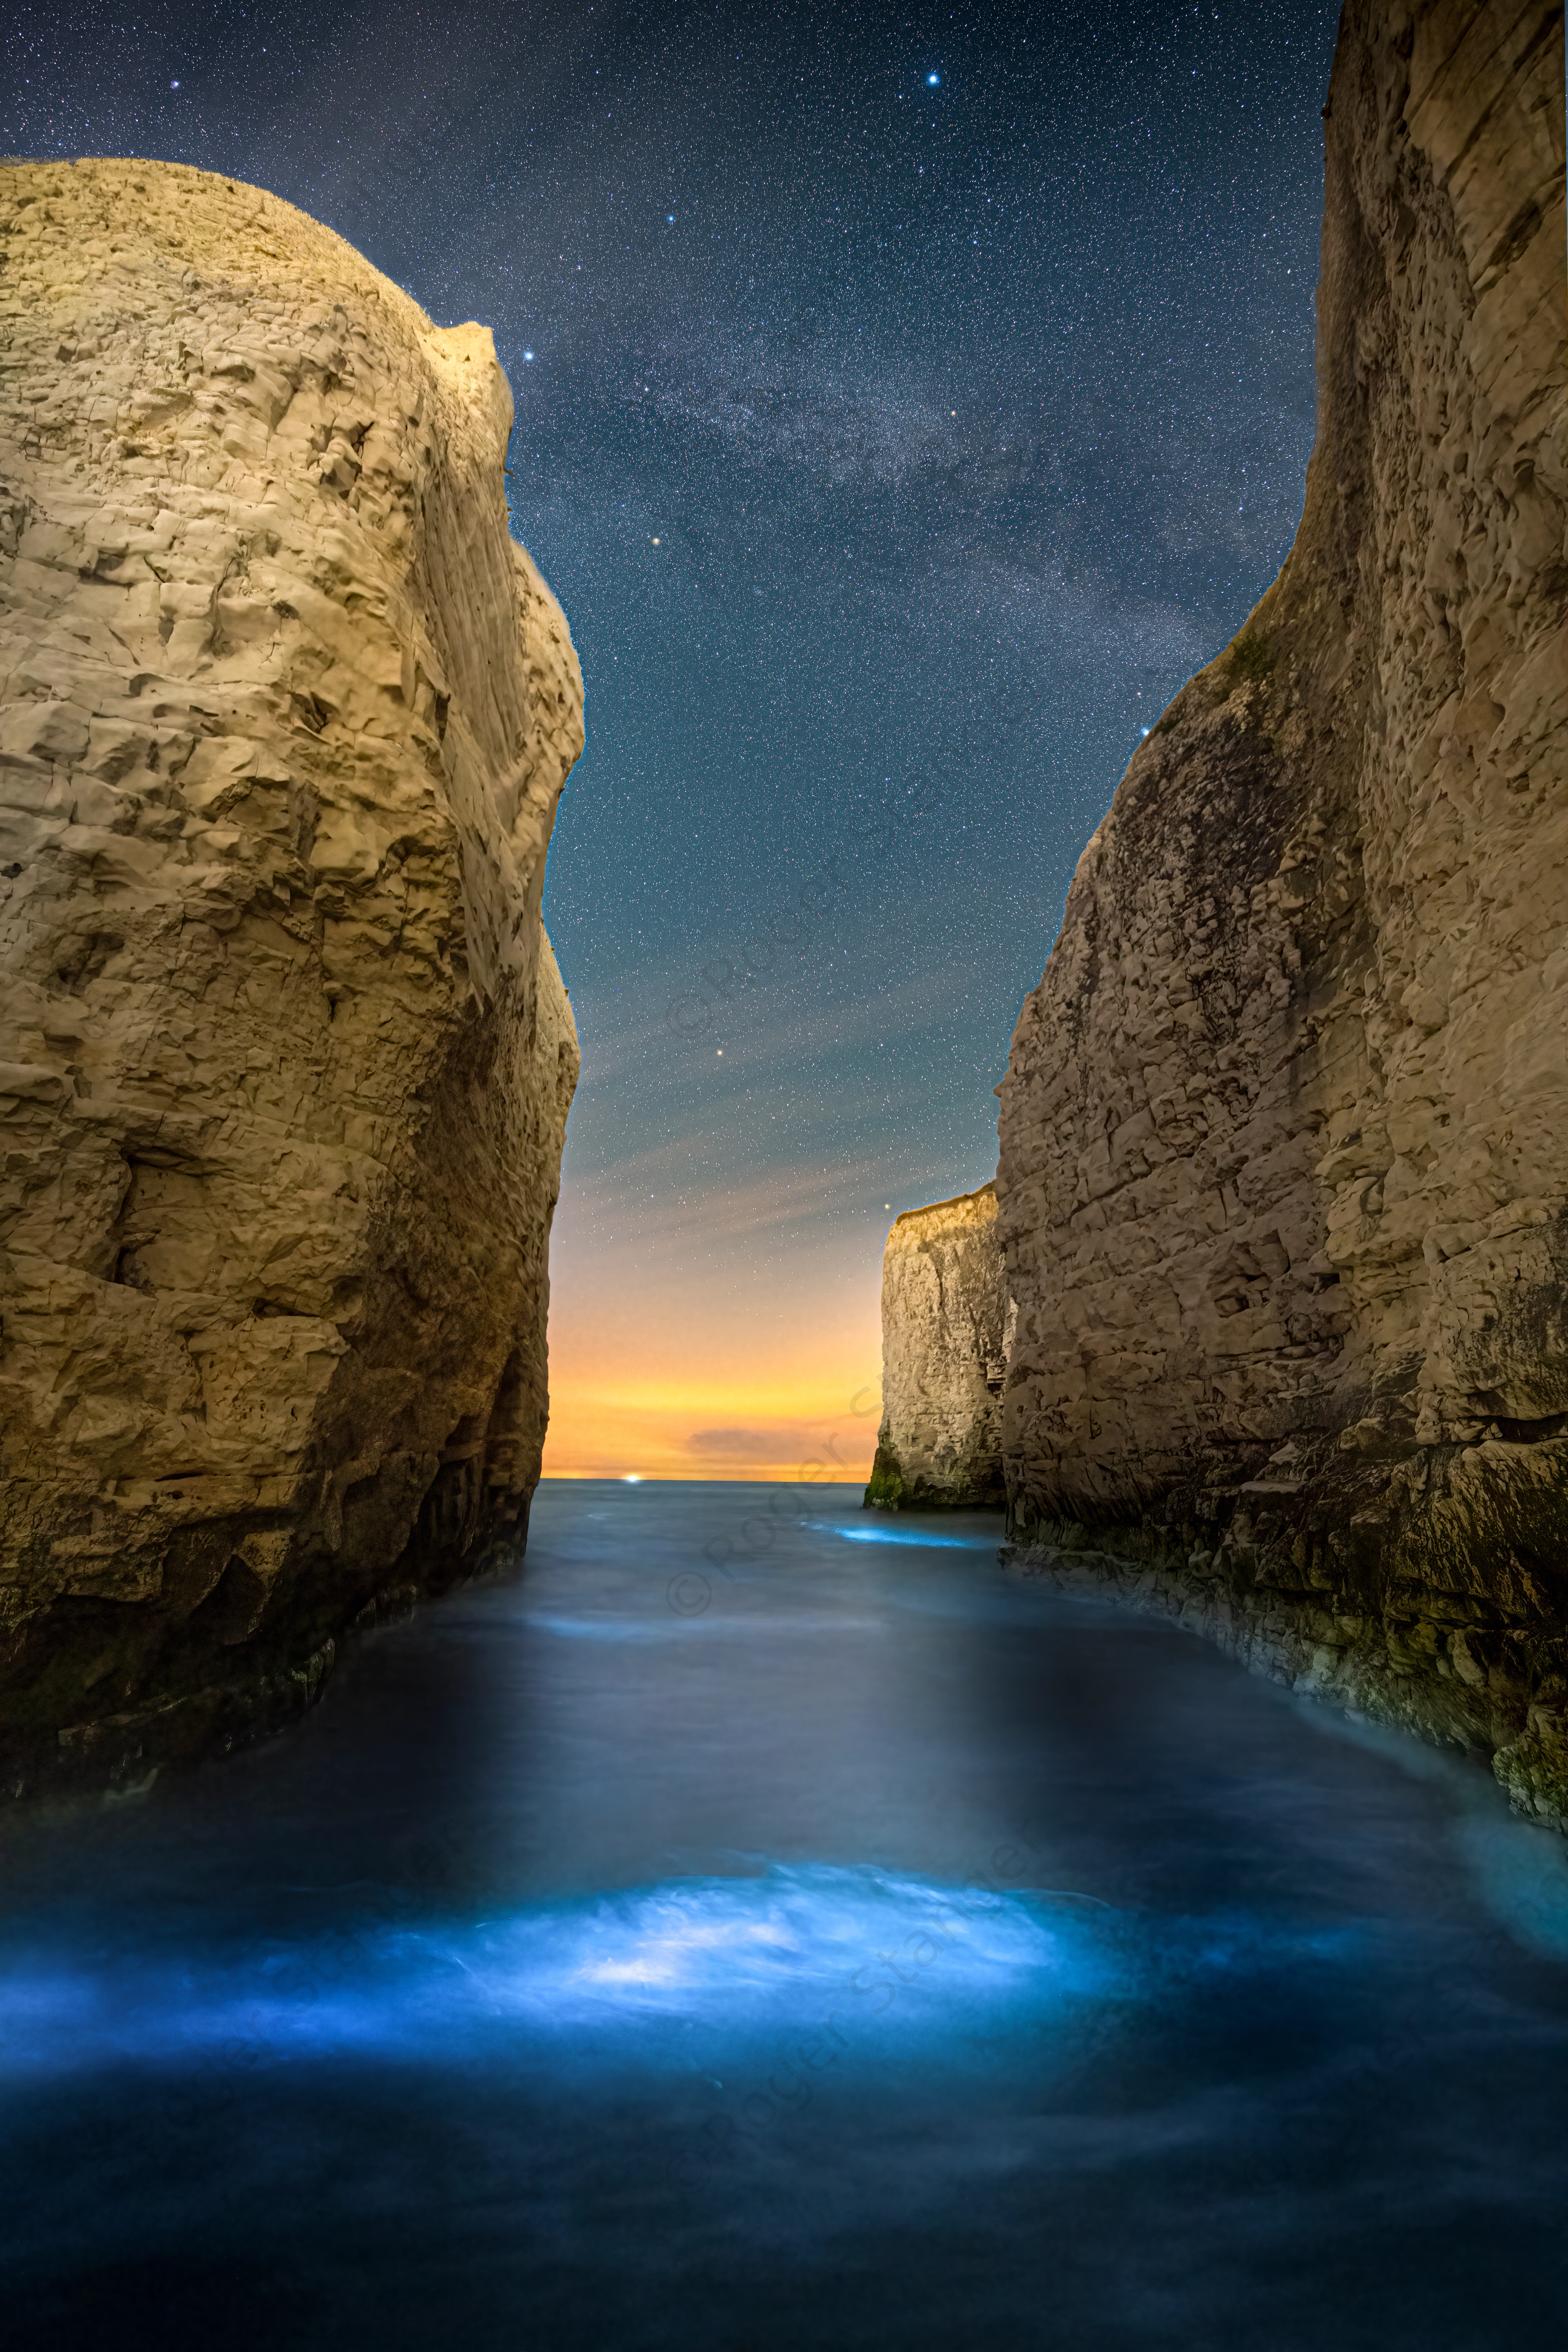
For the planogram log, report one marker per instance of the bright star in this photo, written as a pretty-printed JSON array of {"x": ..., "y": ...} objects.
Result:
[
  {"x": 528, "y": 356},
  {"x": 931, "y": 81},
  {"x": 670, "y": 218},
  {"x": 174, "y": 85}
]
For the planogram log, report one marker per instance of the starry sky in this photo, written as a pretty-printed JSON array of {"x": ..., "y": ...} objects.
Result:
[{"x": 908, "y": 401}]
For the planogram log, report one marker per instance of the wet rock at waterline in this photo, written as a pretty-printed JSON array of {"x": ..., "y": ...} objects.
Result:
[
  {"x": 1284, "y": 1134},
  {"x": 945, "y": 1331},
  {"x": 285, "y": 715}
]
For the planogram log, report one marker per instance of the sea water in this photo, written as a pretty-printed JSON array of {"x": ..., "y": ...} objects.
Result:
[{"x": 751, "y": 1922}]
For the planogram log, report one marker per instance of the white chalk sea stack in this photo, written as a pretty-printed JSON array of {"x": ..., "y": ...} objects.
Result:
[{"x": 284, "y": 717}]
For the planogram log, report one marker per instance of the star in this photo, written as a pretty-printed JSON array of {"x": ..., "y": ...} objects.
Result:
[{"x": 931, "y": 81}]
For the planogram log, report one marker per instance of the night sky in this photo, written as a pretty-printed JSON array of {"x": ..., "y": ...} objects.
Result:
[{"x": 907, "y": 401}]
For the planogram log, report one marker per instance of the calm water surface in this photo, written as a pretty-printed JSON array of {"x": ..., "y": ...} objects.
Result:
[{"x": 743, "y": 1931}]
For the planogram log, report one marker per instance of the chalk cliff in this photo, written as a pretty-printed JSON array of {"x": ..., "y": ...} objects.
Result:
[
  {"x": 284, "y": 718},
  {"x": 945, "y": 1328},
  {"x": 1283, "y": 1183}
]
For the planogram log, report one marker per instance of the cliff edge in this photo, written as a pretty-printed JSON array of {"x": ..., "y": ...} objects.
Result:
[
  {"x": 284, "y": 718},
  {"x": 945, "y": 1329},
  {"x": 1283, "y": 1188}
]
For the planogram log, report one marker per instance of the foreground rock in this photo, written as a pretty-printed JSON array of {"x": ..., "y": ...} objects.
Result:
[
  {"x": 1284, "y": 1135},
  {"x": 945, "y": 1327},
  {"x": 284, "y": 717}
]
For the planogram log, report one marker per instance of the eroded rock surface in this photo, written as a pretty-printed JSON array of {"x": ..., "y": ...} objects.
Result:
[
  {"x": 1284, "y": 1135},
  {"x": 945, "y": 1324},
  {"x": 284, "y": 717}
]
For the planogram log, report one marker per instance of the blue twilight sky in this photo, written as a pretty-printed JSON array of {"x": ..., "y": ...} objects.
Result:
[{"x": 907, "y": 401}]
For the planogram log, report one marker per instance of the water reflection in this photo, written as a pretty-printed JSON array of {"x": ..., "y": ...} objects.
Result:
[{"x": 889, "y": 1953}]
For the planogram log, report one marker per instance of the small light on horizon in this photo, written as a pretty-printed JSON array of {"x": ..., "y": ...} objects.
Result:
[{"x": 632, "y": 1478}]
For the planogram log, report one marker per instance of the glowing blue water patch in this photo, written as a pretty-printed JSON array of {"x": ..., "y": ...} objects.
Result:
[
  {"x": 666, "y": 1628},
  {"x": 670, "y": 1625},
  {"x": 1521, "y": 1875},
  {"x": 902, "y": 1535},
  {"x": 1518, "y": 1870},
  {"x": 694, "y": 1974}
]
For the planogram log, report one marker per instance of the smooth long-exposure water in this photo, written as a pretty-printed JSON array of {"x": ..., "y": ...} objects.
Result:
[{"x": 761, "y": 1924}]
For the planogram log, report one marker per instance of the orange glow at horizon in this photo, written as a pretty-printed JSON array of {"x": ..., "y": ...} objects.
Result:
[
  {"x": 595, "y": 1432},
  {"x": 692, "y": 1347}
]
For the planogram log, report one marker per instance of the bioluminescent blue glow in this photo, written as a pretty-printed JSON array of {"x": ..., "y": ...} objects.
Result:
[
  {"x": 688, "y": 1969},
  {"x": 885, "y": 1535},
  {"x": 1520, "y": 1873},
  {"x": 668, "y": 1627},
  {"x": 673, "y": 1625},
  {"x": 1517, "y": 1869}
]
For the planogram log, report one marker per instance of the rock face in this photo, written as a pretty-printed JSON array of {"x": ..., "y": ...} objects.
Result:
[
  {"x": 1284, "y": 1133},
  {"x": 945, "y": 1327},
  {"x": 284, "y": 717}
]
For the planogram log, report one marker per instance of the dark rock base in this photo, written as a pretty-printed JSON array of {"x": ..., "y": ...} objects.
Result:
[
  {"x": 199, "y": 1692},
  {"x": 1453, "y": 1668},
  {"x": 972, "y": 1486}
]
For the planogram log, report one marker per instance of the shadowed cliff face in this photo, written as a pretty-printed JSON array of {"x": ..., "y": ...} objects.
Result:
[
  {"x": 1284, "y": 1134},
  {"x": 945, "y": 1332},
  {"x": 284, "y": 718}
]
